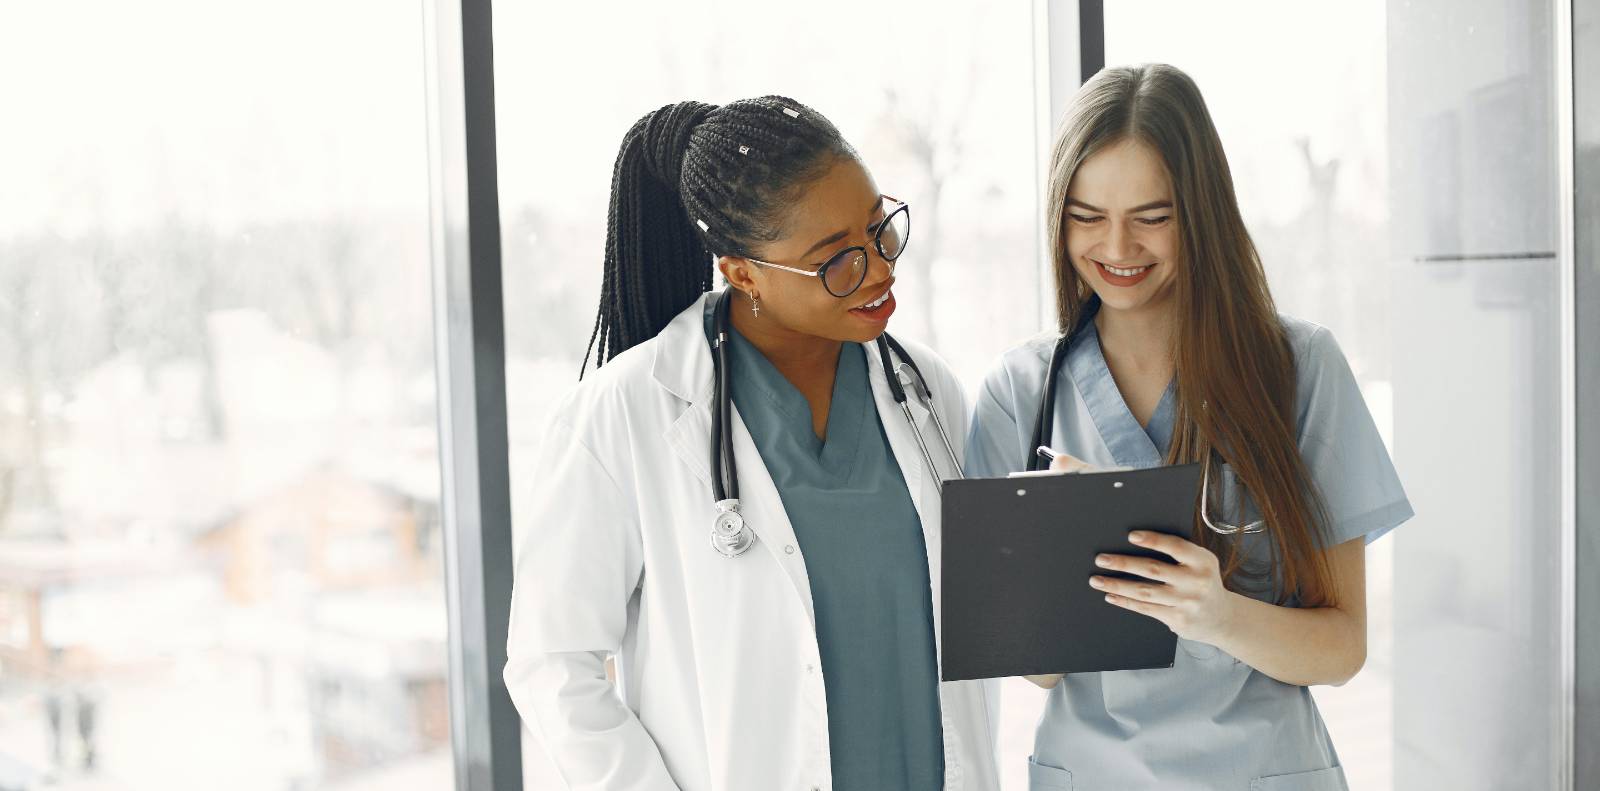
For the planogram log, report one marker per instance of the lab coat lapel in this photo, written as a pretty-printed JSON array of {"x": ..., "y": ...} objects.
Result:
[
  {"x": 763, "y": 511},
  {"x": 921, "y": 483},
  {"x": 683, "y": 366}
]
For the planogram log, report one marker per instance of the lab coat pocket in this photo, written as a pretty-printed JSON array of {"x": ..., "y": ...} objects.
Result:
[
  {"x": 1330, "y": 779},
  {"x": 1044, "y": 777}
]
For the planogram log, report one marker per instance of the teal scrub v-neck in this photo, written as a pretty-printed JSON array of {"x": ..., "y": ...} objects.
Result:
[{"x": 864, "y": 553}]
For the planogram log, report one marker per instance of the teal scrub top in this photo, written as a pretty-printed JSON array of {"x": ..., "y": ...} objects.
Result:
[
  {"x": 864, "y": 553},
  {"x": 1210, "y": 721}
]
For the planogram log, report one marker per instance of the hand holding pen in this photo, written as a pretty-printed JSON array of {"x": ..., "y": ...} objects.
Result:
[{"x": 1063, "y": 462}]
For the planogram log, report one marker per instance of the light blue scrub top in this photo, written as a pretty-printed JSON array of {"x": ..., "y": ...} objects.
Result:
[
  {"x": 862, "y": 542},
  {"x": 1210, "y": 721}
]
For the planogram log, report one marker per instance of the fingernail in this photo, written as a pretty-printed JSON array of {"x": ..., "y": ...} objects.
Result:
[
  {"x": 1096, "y": 583},
  {"x": 1136, "y": 537},
  {"x": 1102, "y": 560}
]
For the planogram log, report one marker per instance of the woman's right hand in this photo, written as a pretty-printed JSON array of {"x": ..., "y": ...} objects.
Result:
[{"x": 1067, "y": 463}]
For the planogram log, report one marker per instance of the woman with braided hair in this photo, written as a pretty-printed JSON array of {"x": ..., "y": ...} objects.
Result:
[{"x": 799, "y": 650}]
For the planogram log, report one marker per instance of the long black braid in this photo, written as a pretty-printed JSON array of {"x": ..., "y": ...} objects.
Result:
[{"x": 695, "y": 180}]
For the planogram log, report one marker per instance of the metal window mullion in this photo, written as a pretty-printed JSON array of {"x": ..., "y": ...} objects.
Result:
[
  {"x": 1069, "y": 44},
  {"x": 1091, "y": 38},
  {"x": 469, "y": 341},
  {"x": 1578, "y": 69}
]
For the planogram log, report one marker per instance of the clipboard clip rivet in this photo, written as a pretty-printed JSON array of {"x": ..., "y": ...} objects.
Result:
[
  {"x": 1021, "y": 492},
  {"x": 1116, "y": 484}
]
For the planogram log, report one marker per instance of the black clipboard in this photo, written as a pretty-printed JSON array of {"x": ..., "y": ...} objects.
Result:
[{"x": 1017, "y": 557}]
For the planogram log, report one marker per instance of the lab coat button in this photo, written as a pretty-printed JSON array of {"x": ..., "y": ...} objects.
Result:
[{"x": 789, "y": 548}]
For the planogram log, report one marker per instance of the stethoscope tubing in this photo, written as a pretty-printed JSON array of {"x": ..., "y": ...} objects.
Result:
[
  {"x": 1044, "y": 419},
  {"x": 730, "y": 536}
]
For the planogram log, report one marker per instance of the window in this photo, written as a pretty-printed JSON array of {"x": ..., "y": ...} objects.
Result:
[
  {"x": 218, "y": 454},
  {"x": 1375, "y": 147},
  {"x": 1307, "y": 144}
]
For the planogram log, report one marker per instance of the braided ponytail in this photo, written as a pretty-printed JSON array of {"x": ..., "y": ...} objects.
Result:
[{"x": 695, "y": 180}]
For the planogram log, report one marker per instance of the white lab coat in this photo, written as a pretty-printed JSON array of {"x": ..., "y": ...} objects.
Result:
[{"x": 720, "y": 682}]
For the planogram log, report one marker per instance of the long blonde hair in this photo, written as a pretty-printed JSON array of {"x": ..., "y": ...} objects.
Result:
[{"x": 1235, "y": 368}]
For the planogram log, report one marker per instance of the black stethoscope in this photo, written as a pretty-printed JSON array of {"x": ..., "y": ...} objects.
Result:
[
  {"x": 730, "y": 536},
  {"x": 1042, "y": 424}
]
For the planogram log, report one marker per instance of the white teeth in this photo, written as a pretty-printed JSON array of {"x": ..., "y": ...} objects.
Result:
[
  {"x": 1125, "y": 272},
  {"x": 875, "y": 303}
]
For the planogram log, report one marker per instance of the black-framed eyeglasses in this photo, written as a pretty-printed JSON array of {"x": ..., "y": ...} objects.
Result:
[{"x": 842, "y": 274}]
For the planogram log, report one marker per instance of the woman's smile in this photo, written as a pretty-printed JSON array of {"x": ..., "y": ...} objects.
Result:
[
  {"x": 879, "y": 309},
  {"x": 1121, "y": 276}
]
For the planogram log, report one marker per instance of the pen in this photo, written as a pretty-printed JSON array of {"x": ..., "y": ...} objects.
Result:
[{"x": 1045, "y": 452}]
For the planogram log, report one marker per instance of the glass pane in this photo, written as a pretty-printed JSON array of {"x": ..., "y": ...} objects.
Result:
[
  {"x": 1472, "y": 131},
  {"x": 1308, "y": 147},
  {"x": 1586, "y": 197},
  {"x": 1373, "y": 145},
  {"x": 219, "y": 526},
  {"x": 944, "y": 118}
]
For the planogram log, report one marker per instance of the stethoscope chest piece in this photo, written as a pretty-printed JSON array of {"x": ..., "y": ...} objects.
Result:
[{"x": 730, "y": 536}]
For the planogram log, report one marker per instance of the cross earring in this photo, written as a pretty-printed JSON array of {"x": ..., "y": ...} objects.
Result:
[{"x": 755, "y": 306}]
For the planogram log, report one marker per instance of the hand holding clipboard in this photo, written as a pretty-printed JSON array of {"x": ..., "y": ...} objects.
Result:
[{"x": 1019, "y": 553}]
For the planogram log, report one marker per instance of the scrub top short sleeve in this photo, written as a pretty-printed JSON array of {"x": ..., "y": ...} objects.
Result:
[{"x": 1340, "y": 444}]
